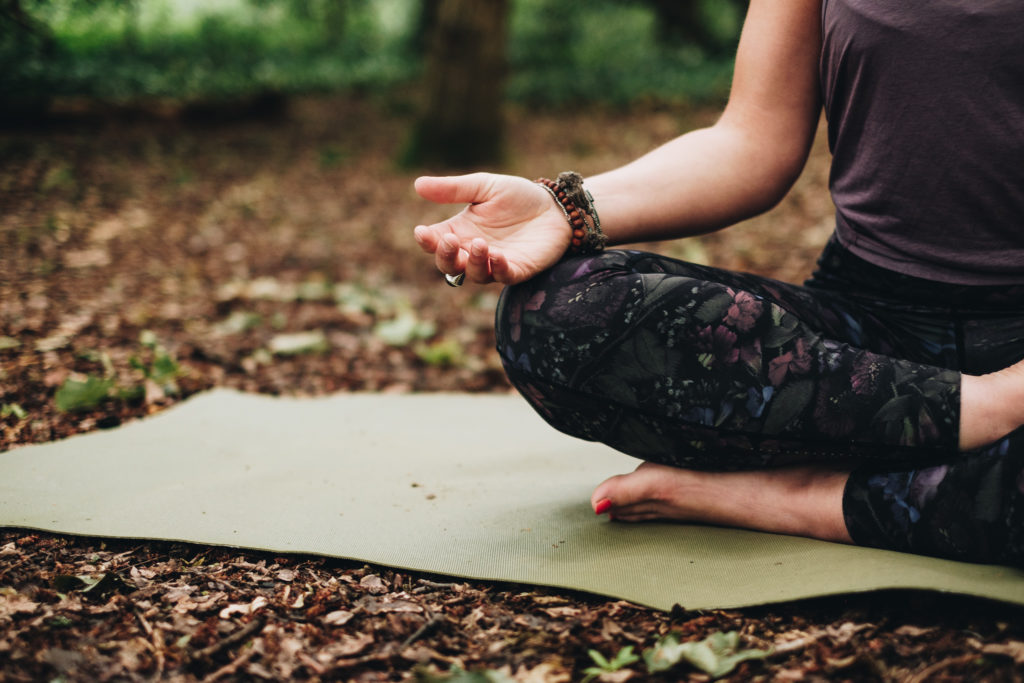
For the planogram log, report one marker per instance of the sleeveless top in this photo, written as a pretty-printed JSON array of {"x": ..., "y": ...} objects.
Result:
[{"x": 925, "y": 107}]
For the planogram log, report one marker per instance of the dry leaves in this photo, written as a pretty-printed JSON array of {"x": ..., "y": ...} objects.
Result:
[{"x": 259, "y": 269}]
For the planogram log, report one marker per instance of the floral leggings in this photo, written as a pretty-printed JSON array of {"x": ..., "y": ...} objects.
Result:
[{"x": 701, "y": 368}]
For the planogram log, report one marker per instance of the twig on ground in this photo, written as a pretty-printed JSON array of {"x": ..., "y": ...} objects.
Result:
[
  {"x": 927, "y": 672},
  {"x": 432, "y": 621},
  {"x": 231, "y": 667},
  {"x": 238, "y": 636},
  {"x": 435, "y": 584}
]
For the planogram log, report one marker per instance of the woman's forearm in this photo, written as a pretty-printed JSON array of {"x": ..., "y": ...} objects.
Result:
[
  {"x": 697, "y": 183},
  {"x": 746, "y": 162}
]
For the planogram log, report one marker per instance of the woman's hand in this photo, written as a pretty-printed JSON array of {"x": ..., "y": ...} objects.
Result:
[{"x": 511, "y": 229}]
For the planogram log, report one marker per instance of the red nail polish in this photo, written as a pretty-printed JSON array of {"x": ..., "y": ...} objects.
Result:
[{"x": 602, "y": 506}]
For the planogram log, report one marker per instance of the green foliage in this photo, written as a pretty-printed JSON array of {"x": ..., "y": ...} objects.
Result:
[
  {"x": 156, "y": 364},
  {"x": 15, "y": 409},
  {"x": 120, "y": 50},
  {"x": 578, "y": 51},
  {"x": 442, "y": 353},
  {"x": 76, "y": 395},
  {"x": 299, "y": 343},
  {"x": 716, "y": 655},
  {"x": 403, "y": 329},
  {"x": 458, "y": 675},
  {"x": 239, "y": 322},
  {"x": 332, "y": 156},
  {"x": 622, "y": 659},
  {"x": 560, "y": 51}
]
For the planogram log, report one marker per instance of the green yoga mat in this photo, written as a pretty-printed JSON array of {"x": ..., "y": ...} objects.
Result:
[{"x": 470, "y": 486}]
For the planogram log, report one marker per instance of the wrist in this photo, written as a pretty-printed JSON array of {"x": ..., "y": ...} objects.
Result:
[{"x": 577, "y": 206}]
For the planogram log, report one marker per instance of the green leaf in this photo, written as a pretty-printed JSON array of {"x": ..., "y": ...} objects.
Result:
[
  {"x": 403, "y": 330},
  {"x": 148, "y": 338},
  {"x": 622, "y": 659},
  {"x": 599, "y": 659},
  {"x": 132, "y": 394},
  {"x": 298, "y": 343},
  {"x": 8, "y": 343},
  {"x": 443, "y": 353},
  {"x": 238, "y": 322},
  {"x": 458, "y": 675},
  {"x": 8, "y": 409},
  {"x": 77, "y": 395},
  {"x": 165, "y": 368},
  {"x": 716, "y": 655}
]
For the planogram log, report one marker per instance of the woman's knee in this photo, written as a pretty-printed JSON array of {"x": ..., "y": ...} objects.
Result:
[{"x": 555, "y": 320}]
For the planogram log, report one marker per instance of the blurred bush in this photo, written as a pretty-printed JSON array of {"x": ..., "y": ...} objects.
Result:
[
  {"x": 560, "y": 51},
  {"x": 619, "y": 51}
]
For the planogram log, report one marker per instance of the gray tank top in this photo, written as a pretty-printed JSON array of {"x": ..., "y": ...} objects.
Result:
[{"x": 925, "y": 108}]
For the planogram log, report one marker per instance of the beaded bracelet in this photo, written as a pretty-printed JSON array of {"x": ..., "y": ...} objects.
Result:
[{"x": 578, "y": 206}]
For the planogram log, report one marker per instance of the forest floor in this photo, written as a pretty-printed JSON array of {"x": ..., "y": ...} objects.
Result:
[{"x": 146, "y": 257}]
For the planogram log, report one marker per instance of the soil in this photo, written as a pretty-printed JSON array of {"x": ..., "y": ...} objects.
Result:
[{"x": 154, "y": 256}]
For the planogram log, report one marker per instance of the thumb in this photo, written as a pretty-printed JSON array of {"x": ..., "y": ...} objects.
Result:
[{"x": 463, "y": 189}]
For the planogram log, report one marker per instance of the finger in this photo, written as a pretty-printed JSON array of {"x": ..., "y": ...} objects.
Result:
[
  {"x": 501, "y": 271},
  {"x": 463, "y": 189},
  {"x": 478, "y": 265},
  {"x": 449, "y": 257},
  {"x": 426, "y": 238}
]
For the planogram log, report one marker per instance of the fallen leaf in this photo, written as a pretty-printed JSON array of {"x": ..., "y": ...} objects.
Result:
[
  {"x": 546, "y": 672},
  {"x": 251, "y": 608},
  {"x": 347, "y": 645},
  {"x": 913, "y": 631},
  {"x": 373, "y": 584},
  {"x": 1013, "y": 648},
  {"x": 13, "y": 602},
  {"x": 337, "y": 617},
  {"x": 297, "y": 343},
  {"x": 386, "y": 605}
]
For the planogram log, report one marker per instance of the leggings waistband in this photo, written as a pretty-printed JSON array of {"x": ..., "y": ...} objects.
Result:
[{"x": 839, "y": 269}]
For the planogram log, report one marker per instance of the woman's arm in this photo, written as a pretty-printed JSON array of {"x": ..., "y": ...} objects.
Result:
[
  {"x": 747, "y": 161},
  {"x": 701, "y": 181}
]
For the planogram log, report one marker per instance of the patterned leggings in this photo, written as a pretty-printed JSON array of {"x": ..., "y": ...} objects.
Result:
[{"x": 702, "y": 368}]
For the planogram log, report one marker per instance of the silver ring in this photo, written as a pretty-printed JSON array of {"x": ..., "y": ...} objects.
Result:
[{"x": 455, "y": 280}]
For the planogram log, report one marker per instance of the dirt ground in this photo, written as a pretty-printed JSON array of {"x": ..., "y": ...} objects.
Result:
[{"x": 148, "y": 256}]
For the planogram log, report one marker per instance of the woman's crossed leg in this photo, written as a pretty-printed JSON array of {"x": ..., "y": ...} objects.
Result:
[{"x": 753, "y": 400}]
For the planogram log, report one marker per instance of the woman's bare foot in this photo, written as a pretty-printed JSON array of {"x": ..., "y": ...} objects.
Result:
[
  {"x": 801, "y": 501},
  {"x": 991, "y": 406}
]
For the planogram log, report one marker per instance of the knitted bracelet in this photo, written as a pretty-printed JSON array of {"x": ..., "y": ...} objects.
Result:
[{"x": 578, "y": 206}]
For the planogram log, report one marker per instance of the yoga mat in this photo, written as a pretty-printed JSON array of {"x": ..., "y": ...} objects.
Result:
[{"x": 470, "y": 486}]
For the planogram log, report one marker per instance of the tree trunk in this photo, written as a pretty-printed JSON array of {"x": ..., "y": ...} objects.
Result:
[{"x": 461, "y": 121}]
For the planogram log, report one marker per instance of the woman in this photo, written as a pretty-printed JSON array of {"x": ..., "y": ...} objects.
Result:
[{"x": 879, "y": 404}]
